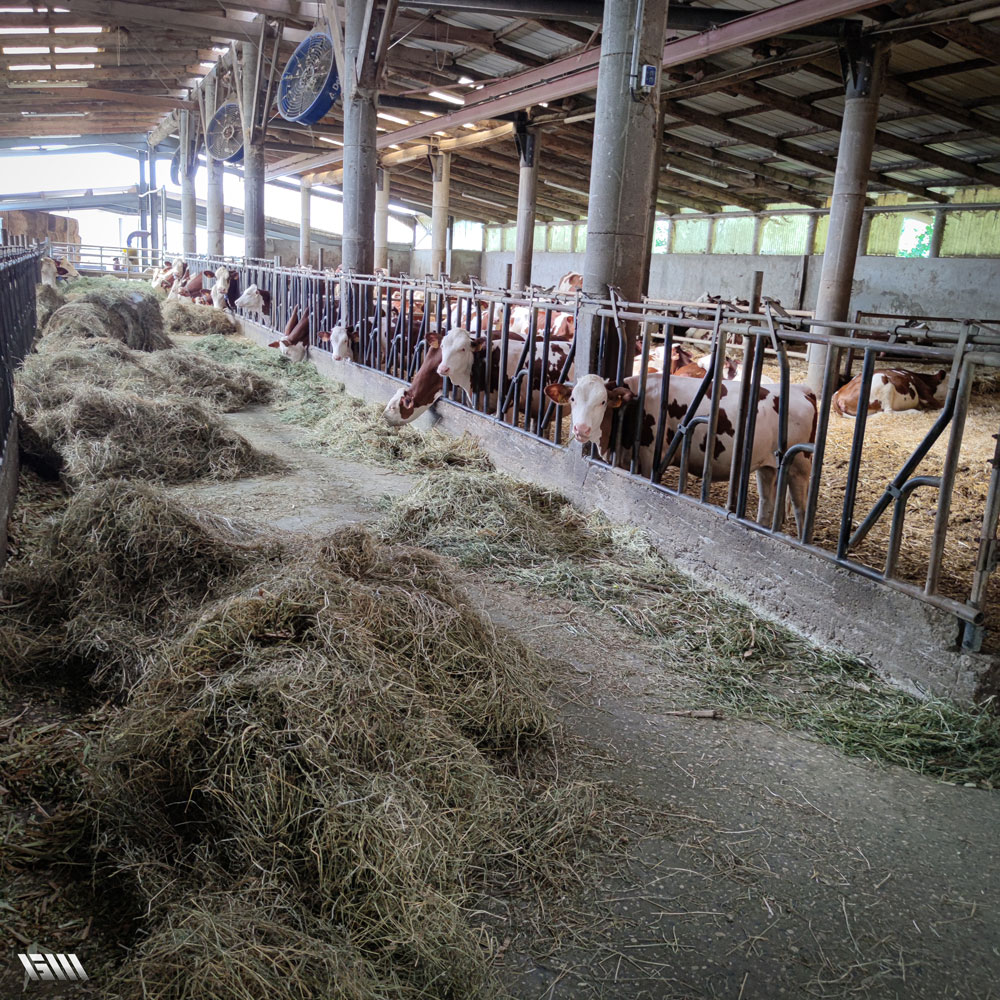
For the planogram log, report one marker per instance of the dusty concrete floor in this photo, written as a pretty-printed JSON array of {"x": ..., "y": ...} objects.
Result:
[{"x": 785, "y": 869}]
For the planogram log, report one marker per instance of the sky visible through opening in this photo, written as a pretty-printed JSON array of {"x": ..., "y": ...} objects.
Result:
[{"x": 44, "y": 172}]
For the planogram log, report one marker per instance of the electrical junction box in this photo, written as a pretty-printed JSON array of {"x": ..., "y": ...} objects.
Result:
[{"x": 647, "y": 76}]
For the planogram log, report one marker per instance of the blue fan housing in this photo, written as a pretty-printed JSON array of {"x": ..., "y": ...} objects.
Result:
[
  {"x": 224, "y": 139},
  {"x": 309, "y": 86}
]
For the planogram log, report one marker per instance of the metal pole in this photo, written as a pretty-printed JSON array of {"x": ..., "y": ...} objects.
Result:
[
  {"x": 188, "y": 204},
  {"x": 305, "y": 222},
  {"x": 143, "y": 204},
  {"x": 253, "y": 157},
  {"x": 864, "y": 70},
  {"x": 154, "y": 215},
  {"x": 441, "y": 176},
  {"x": 382, "y": 218},
  {"x": 937, "y": 234},
  {"x": 528, "y": 147},
  {"x": 215, "y": 223},
  {"x": 360, "y": 161},
  {"x": 624, "y": 160}
]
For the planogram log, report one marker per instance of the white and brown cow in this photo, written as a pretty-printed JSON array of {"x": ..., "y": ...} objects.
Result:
[
  {"x": 569, "y": 283},
  {"x": 893, "y": 389},
  {"x": 592, "y": 401},
  {"x": 463, "y": 361},
  {"x": 294, "y": 342}
]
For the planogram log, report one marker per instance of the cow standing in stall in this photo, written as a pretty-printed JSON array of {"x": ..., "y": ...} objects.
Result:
[{"x": 592, "y": 403}]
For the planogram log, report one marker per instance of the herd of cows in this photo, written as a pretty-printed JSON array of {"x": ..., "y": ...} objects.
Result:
[{"x": 544, "y": 367}]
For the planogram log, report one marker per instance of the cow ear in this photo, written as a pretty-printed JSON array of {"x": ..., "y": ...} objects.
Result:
[
  {"x": 559, "y": 393},
  {"x": 479, "y": 344},
  {"x": 354, "y": 336},
  {"x": 433, "y": 341},
  {"x": 273, "y": 343},
  {"x": 619, "y": 396}
]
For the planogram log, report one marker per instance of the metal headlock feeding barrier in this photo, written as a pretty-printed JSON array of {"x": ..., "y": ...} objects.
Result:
[
  {"x": 527, "y": 341},
  {"x": 392, "y": 317}
]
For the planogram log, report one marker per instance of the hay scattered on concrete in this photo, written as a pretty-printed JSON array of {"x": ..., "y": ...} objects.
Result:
[
  {"x": 326, "y": 758},
  {"x": 193, "y": 320},
  {"x": 486, "y": 519},
  {"x": 50, "y": 379},
  {"x": 101, "y": 433},
  {"x": 120, "y": 311},
  {"x": 343, "y": 424}
]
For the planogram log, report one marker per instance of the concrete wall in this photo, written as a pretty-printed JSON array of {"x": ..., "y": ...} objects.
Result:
[
  {"x": 288, "y": 251},
  {"x": 40, "y": 226},
  {"x": 947, "y": 286},
  {"x": 910, "y": 643},
  {"x": 461, "y": 264}
]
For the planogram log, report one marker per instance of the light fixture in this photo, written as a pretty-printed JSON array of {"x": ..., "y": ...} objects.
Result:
[
  {"x": 82, "y": 29},
  {"x": 483, "y": 201},
  {"x": 450, "y": 98},
  {"x": 392, "y": 118},
  {"x": 33, "y": 66},
  {"x": 466, "y": 80},
  {"x": 66, "y": 50},
  {"x": 24, "y": 31},
  {"x": 54, "y": 114},
  {"x": 543, "y": 104},
  {"x": 562, "y": 187},
  {"x": 76, "y": 65},
  {"x": 429, "y": 114},
  {"x": 469, "y": 125},
  {"x": 333, "y": 142},
  {"x": 26, "y": 50},
  {"x": 439, "y": 132}
]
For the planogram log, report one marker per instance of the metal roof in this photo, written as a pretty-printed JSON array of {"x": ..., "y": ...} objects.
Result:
[{"x": 938, "y": 129}]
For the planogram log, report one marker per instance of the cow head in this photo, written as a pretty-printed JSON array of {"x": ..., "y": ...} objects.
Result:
[
  {"x": 458, "y": 351},
  {"x": 49, "y": 271},
  {"x": 590, "y": 400},
  {"x": 179, "y": 267},
  {"x": 251, "y": 300},
  {"x": 425, "y": 389},
  {"x": 342, "y": 343}
]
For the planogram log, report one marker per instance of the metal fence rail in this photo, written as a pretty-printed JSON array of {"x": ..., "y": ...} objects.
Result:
[
  {"x": 19, "y": 273},
  {"x": 394, "y": 318}
]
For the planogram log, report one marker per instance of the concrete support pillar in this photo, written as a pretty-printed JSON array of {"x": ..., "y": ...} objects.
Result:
[
  {"x": 215, "y": 223},
  {"x": 441, "y": 180},
  {"x": 624, "y": 162},
  {"x": 360, "y": 162},
  {"x": 864, "y": 70},
  {"x": 382, "y": 217},
  {"x": 189, "y": 206},
  {"x": 529, "y": 141},
  {"x": 253, "y": 156},
  {"x": 305, "y": 222}
]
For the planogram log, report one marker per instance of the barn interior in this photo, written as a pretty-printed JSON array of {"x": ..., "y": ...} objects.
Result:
[{"x": 330, "y": 668}]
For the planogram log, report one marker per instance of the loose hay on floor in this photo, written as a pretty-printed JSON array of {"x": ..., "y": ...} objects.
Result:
[
  {"x": 50, "y": 378},
  {"x": 102, "y": 433},
  {"x": 123, "y": 311},
  {"x": 341, "y": 423},
  {"x": 326, "y": 761},
  {"x": 181, "y": 317}
]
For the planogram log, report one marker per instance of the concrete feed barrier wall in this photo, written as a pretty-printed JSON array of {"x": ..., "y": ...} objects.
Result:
[{"x": 912, "y": 644}]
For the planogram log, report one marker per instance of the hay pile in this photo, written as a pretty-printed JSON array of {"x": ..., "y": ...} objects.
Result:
[
  {"x": 190, "y": 319},
  {"x": 343, "y": 424},
  {"x": 325, "y": 762},
  {"x": 121, "y": 311},
  {"x": 100, "y": 434},
  {"x": 51, "y": 378}
]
